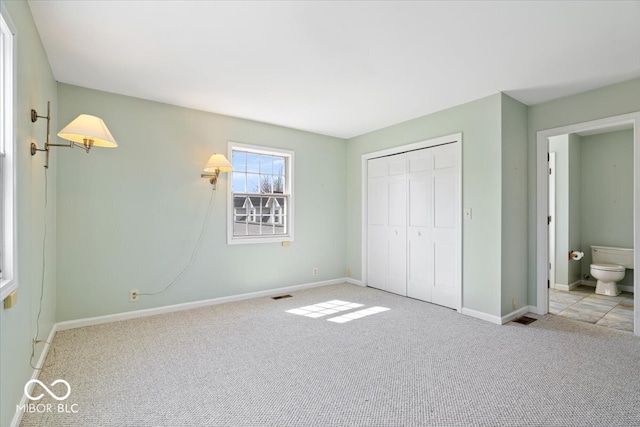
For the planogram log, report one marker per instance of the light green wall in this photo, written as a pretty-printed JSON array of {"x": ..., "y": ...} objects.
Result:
[
  {"x": 129, "y": 217},
  {"x": 514, "y": 205},
  {"x": 480, "y": 124},
  {"x": 34, "y": 87},
  {"x": 607, "y": 193},
  {"x": 494, "y": 132},
  {"x": 621, "y": 98}
]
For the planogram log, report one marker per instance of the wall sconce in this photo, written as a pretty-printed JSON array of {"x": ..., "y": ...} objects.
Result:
[
  {"x": 217, "y": 163},
  {"x": 85, "y": 132}
]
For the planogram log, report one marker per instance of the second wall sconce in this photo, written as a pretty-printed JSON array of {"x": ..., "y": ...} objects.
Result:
[
  {"x": 85, "y": 132},
  {"x": 217, "y": 163}
]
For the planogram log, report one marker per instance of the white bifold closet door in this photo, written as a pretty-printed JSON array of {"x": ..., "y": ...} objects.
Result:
[
  {"x": 413, "y": 224},
  {"x": 387, "y": 248}
]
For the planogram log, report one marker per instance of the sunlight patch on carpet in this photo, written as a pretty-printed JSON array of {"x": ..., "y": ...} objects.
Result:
[
  {"x": 357, "y": 314},
  {"x": 336, "y": 306},
  {"x": 324, "y": 308}
]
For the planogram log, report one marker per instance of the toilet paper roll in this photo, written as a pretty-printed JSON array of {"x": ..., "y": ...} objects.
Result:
[{"x": 576, "y": 255}]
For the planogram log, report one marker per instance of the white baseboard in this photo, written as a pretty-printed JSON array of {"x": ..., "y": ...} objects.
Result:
[
  {"x": 626, "y": 288},
  {"x": 569, "y": 287},
  {"x": 17, "y": 416},
  {"x": 499, "y": 320},
  {"x": 355, "y": 281},
  {"x": 482, "y": 316},
  {"x": 515, "y": 314},
  {"x": 80, "y": 323}
]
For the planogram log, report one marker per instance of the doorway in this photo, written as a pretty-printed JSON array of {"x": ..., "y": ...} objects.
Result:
[{"x": 543, "y": 272}]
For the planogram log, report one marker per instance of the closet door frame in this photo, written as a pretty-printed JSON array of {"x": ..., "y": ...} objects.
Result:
[{"x": 453, "y": 138}]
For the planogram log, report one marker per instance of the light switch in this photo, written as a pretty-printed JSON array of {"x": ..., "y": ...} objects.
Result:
[{"x": 467, "y": 213}]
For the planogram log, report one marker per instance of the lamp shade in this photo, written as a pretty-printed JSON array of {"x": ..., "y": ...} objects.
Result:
[
  {"x": 86, "y": 127},
  {"x": 218, "y": 162}
]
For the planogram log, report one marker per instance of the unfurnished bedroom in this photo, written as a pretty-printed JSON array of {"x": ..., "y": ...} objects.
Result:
[{"x": 358, "y": 213}]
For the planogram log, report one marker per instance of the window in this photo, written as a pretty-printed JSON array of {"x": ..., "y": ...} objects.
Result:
[
  {"x": 261, "y": 196},
  {"x": 7, "y": 160}
]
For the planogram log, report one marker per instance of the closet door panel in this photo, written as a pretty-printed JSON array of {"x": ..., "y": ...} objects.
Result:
[
  {"x": 386, "y": 211},
  {"x": 446, "y": 225},
  {"x": 377, "y": 252},
  {"x": 377, "y": 202},
  {"x": 445, "y": 194},
  {"x": 397, "y": 206},
  {"x": 419, "y": 231},
  {"x": 397, "y": 261},
  {"x": 397, "y": 230},
  {"x": 420, "y": 265}
]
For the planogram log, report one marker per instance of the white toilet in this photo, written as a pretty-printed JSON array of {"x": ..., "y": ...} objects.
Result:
[{"x": 608, "y": 267}]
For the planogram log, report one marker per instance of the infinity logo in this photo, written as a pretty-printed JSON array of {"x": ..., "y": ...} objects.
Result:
[{"x": 52, "y": 394}]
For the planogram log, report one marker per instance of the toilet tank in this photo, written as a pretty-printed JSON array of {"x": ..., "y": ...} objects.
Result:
[{"x": 607, "y": 255}]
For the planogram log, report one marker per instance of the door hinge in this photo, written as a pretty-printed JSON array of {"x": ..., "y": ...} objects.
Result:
[
  {"x": 549, "y": 219},
  {"x": 548, "y": 284}
]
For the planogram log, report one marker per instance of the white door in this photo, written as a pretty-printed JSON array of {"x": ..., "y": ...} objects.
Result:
[
  {"x": 413, "y": 224},
  {"x": 420, "y": 260},
  {"x": 446, "y": 226},
  {"x": 433, "y": 262},
  {"x": 387, "y": 207},
  {"x": 551, "y": 220}
]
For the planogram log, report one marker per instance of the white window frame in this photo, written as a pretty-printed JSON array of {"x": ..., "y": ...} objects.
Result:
[
  {"x": 8, "y": 226},
  {"x": 289, "y": 185}
]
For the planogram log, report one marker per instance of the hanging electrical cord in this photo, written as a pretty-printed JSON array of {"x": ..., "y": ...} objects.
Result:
[
  {"x": 193, "y": 254},
  {"x": 36, "y": 341}
]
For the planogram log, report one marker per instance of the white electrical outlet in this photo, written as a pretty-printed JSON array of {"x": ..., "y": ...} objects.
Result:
[
  {"x": 133, "y": 295},
  {"x": 315, "y": 271}
]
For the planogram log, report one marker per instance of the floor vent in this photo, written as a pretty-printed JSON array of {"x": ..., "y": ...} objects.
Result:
[
  {"x": 281, "y": 296},
  {"x": 525, "y": 320}
]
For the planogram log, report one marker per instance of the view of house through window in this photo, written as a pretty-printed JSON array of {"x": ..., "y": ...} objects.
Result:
[{"x": 261, "y": 189}]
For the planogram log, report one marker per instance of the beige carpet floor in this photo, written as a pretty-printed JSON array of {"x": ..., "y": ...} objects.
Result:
[{"x": 252, "y": 363}]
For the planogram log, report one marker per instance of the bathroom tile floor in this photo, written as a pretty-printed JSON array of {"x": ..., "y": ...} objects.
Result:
[{"x": 585, "y": 305}]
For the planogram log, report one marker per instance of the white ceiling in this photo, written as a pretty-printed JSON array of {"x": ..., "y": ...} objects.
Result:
[{"x": 339, "y": 68}]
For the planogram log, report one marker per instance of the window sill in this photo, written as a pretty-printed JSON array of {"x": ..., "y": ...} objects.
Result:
[{"x": 258, "y": 240}]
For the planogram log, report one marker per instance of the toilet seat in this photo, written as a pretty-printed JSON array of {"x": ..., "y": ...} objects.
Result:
[{"x": 608, "y": 267}]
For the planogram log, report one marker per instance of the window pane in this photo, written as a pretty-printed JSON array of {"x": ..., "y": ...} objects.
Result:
[
  {"x": 278, "y": 166},
  {"x": 240, "y": 229},
  {"x": 281, "y": 218},
  {"x": 278, "y": 184},
  {"x": 239, "y": 182},
  {"x": 239, "y": 161},
  {"x": 253, "y": 183},
  {"x": 240, "y": 212},
  {"x": 253, "y": 162},
  {"x": 266, "y": 164},
  {"x": 265, "y": 184}
]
